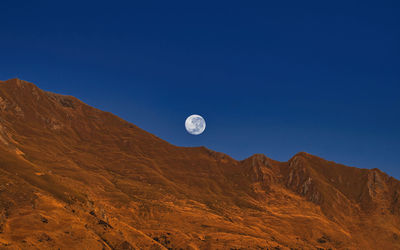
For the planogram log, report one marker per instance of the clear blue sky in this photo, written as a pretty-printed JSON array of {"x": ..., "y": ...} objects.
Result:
[{"x": 272, "y": 77}]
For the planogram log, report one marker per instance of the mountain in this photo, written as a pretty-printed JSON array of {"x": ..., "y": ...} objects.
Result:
[{"x": 75, "y": 177}]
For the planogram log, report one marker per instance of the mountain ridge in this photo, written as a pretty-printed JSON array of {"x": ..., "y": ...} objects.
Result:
[
  {"x": 64, "y": 164},
  {"x": 19, "y": 82}
]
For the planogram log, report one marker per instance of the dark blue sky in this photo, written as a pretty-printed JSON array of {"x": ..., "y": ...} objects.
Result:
[{"x": 272, "y": 77}]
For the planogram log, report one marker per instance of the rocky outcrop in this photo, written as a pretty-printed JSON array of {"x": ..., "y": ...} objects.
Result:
[
  {"x": 300, "y": 179},
  {"x": 261, "y": 171}
]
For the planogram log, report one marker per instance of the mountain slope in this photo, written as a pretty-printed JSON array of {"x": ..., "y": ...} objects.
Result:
[{"x": 72, "y": 176}]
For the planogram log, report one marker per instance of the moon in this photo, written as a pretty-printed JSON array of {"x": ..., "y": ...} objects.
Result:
[{"x": 195, "y": 124}]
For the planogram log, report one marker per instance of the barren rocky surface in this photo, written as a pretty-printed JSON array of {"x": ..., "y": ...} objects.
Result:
[{"x": 75, "y": 177}]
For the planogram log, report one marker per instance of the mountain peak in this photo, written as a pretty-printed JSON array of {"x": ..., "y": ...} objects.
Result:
[
  {"x": 304, "y": 155},
  {"x": 258, "y": 159},
  {"x": 15, "y": 81}
]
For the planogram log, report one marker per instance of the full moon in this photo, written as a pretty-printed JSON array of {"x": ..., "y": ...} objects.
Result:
[{"x": 195, "y": 124}]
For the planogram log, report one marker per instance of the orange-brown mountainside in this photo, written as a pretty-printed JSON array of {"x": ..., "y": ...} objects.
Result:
[{"x": 75, "y": 177}]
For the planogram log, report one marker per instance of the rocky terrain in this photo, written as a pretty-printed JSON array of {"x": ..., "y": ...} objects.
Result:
[{"x": 75, "y": 177}]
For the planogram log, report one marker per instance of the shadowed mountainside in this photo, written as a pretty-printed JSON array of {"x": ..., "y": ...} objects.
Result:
[{"x": 72, "y": 176}]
